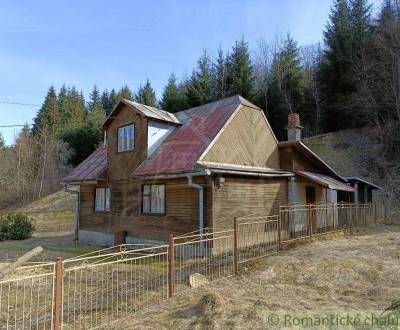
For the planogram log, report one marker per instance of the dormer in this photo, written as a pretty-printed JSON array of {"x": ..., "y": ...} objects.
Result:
[{"x": 133, "y": 131}]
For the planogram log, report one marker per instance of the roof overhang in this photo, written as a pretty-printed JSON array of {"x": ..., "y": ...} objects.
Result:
[
  {"x": 302, "y": 148},
  {"x": 358, "y": 179},
  {"x": 142, "y": 110},
  {"x": 325, "y": 181}
]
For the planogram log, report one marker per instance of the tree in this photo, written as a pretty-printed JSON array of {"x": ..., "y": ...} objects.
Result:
[
  {"x": 199, "y": 88},
  {"x": 240, "y": 71},
  {"x": 96, "y": 114},
  {"x": 146, "y": 95},
  {"x": 285, "y": 86},
  {"x": 220, "y": 76},
  {"x": 311, "y": 56},
  {"x": 48, "y": 116},
  {"x": 123, "y": 93},
  {"x": 2, "y": 142},
  {"x": 173, "y": 98}
]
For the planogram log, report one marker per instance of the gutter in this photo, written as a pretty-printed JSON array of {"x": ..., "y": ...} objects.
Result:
[{"x": 78, "y": 209}]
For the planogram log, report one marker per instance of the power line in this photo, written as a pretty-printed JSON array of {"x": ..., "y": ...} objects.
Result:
[
  {"x": 18, "y": 103},
  {"x": 8, "y": 126}
]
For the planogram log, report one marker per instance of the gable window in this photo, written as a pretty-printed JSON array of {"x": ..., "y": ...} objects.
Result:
[
  {"x": 126, "y": 138},
  {"x": 153, "y": 198},
  {"x": 103, "y": 198}
]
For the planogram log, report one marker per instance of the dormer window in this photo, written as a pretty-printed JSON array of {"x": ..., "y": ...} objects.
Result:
[{"x": 126, "y": 138}]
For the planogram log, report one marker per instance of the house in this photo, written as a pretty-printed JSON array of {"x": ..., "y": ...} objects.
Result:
[{"x": 159, "y": 173}]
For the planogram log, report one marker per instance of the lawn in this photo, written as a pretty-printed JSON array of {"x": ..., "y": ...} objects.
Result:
[{"x": 357, "y": 274}]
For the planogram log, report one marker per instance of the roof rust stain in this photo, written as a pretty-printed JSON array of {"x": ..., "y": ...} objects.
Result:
[{"x": 91, "y": 168}]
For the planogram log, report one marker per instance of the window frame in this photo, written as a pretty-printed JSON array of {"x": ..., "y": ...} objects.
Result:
[
  {"x": 150, "y": 199},
  {"x": 104, "y": 202},
  {"x": 134, "y": 138}
]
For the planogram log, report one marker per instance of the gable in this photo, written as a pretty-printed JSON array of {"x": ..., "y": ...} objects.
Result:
[{"x": 247, "y": 139}]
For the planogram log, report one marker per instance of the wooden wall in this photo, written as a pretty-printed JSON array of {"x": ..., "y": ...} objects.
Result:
[
  {"x": 292, "y": 160},
  {"x": 247, "y": 140},
  {"x": 246, "y": 197},
  {"x": 181, "y": 214},
  {"x": 121, "y": 165}
]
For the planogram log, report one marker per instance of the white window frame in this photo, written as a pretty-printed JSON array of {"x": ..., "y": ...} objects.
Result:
[
  {"x": 153, "y": 199},
  {"x": 126, "y": 138},
  {"x": 102, "y": 201}
]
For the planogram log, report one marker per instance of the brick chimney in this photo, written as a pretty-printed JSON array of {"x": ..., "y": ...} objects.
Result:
[{"x": 294, "y": 127}]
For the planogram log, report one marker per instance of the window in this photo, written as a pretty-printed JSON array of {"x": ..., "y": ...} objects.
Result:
[
  {"x": 153, "y": 199},
  {"x": 126, "y": 138},
  {"x": 103, "y": 197}
]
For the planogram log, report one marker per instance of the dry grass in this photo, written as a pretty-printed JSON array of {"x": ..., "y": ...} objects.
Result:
[{"x": 353, "y": 274}]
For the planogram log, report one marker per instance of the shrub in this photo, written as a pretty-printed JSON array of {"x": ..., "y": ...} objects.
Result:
[{"x": 16, "y": 226}]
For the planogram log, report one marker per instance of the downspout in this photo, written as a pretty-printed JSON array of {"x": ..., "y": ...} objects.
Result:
[
  {"x": 77, "y": 209},
  {"x": 200, "y": 188}
]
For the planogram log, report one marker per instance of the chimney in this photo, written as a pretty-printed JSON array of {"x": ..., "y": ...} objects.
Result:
[{"x": 294, "y": 127}]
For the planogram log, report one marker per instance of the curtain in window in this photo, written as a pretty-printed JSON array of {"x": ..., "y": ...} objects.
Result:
[
  {"x": 157, "y": 199},
  {"x": 100, "y": 195},
  {"x": 146, "y": 199},
  {"x": 108, "y": 199}
]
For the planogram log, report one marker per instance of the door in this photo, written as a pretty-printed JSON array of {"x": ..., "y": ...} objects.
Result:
[{"x": 311, "y": 199}]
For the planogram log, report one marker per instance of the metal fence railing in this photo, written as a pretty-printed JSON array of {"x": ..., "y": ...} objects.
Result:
[{"x": 96, "y": 288}]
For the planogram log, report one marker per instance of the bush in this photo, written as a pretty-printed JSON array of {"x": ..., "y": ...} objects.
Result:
[{"x": 16, "y": 226}]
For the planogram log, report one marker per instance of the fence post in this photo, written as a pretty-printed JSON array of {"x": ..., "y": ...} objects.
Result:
[
  {"x": 171, "y": 264},
  {"x": 58, "y": 284},
  {"x": 235, "y": 246},
  {"x": 279, "y": 230},
  {"x": 333, "y": 216},
  {"x": 310, "y": 229}
]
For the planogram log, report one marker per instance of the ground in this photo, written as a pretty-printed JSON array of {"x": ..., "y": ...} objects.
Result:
[
  {"x": 334, "y": 276},
  {"x": 54, "y": 218}
]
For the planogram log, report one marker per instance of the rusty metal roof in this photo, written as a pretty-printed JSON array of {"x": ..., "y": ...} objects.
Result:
[
  {"x": 90, "y": 169},
  {"x": 182, "y": 149},
  {"x": 143, "y": 110},
  {"x": 325, "y": 181}
]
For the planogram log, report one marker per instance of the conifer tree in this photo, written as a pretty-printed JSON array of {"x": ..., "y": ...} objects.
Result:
[
  {"x": 124, "y": 93},
  {"x": 220, "y": 76},
  {"x": 2, "y": 141},
  {"x": 48, "y": 117},
  {"x": 199, "y": 88},
  {"x": 285, "y": 87},
  {"x": 240, "y": 71},
  {"x": 146, "y": 95},
  {"x": 173, "y": 98}
]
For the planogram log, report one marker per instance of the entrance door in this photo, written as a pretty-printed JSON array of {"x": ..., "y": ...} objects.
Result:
[
  {"x": 311, "y": 199},
  {"x": 310, "y": 195}
]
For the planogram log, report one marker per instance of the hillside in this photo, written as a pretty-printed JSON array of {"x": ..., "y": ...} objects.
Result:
[{"x": 350, "y": 152}]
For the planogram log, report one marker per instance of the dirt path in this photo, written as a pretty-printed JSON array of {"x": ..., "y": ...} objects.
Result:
[{"x": 358, "y": 274}]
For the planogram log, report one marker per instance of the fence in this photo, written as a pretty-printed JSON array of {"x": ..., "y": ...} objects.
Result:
[{"x": 93, "y": 289}]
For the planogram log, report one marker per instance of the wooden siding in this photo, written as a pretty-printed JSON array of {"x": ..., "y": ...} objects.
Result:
[
  {"x": 293, "y": 160},
  {"x": 181, "y": 210},
  {"x": 246, "y": 140},
  {"x": 246, "y": 197},
  {"x": 121, "y": 165}
]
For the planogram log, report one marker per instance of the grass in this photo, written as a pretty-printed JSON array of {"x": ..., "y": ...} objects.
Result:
[
  {"x": 54, "y": 219},
  {"x": 340, "y": 275}
]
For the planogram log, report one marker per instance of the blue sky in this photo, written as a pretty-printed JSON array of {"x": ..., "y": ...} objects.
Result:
[{"x": 113, "y": 43}]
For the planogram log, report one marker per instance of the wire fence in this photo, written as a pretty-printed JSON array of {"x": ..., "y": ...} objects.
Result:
[{"x": 96, "y": 288}]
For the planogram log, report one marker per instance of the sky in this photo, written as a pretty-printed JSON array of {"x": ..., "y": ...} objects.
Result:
[{"x": 113, "y": 43}]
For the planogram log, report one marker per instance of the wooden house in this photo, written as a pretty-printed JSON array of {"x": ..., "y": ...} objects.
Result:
[{"x": 159, "y": 173}]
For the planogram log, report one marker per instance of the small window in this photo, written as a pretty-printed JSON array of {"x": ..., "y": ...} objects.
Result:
[
  {"x": 153, "y": 199},
  {"x": 103, "y": 198},
  {"x": 126, "y": 138}
]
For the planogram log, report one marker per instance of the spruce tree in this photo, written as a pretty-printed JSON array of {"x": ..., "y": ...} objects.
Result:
[
  {"x": 240, "y": 71},
  {"x": 146, "y": 95},
  {"x": 173, "y": 98},
  {"x": 285, "y": 89},
  {"x": 48, "y": 117},
  {"x": 199, "y": 88},
  {"x": 220, "y": 76},
  {"x": 124, "y": 93},
  {"x": 96, "y": 114},
  {"x": 2, "y": 141}
]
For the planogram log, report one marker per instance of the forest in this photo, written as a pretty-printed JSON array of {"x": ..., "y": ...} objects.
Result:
[{"x": 349, "y": 80}]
